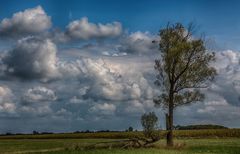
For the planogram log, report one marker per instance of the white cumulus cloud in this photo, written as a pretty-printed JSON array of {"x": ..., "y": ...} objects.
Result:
[
  {"x": 32, "y": 58},
  {"x": 138, "y": 42},
  {"x": 27, "y": 22},
  {"x": 83, "y": 29},
  {"x": 105, "y": 109},
  {"x": 39, "y": 94},
  {"x": 6, "y": 104}
]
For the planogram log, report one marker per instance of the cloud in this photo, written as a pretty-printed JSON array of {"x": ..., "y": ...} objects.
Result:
[
  {"x": 6, "y": 104},
  {"x": 84, "y": 30},
  {"x": 37, "y": 102},
  {"x": 138, "y": 42},
  {"x": 79, "y": 99},
  {"x": 3, "y": 67},
  {"x": 72, "y": 68},
  {"x": 134, "y": 107},
  {"x": 29, "y": 22},
  {"x": 110, "y": 80},
  {"x": 32, "y": 58},
  {"x": 227, "y": 82},
  {"x": 63, "y": 113},
  {"x": 104, "y": 109},
  {"x": 76, "y": 100},
  {"x": 40, "y": 110},
  {"x": 39, "y": 94},
  {"x": 216, "y": 110},
  {"x": 218, "y": 107}
]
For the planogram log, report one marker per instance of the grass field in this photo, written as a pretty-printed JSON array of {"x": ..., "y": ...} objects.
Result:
[{"x": 57, "y": 144}]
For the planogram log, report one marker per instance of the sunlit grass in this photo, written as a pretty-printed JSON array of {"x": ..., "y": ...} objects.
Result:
[
  {"x": 195, "y": 141},
  {"x": 192, "y": 146}
]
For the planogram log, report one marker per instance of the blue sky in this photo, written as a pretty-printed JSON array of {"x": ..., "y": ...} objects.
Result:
[
  {"x": 218, "y": 20},
  {"x": 77, "y": 65}
]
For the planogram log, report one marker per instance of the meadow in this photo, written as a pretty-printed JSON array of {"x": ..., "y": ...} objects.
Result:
[{"x": 226, "y": 141}]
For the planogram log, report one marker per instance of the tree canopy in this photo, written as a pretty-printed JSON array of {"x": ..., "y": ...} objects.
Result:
[{"x": 183, "y": 67}]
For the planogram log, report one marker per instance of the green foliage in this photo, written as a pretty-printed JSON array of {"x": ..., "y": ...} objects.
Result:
[
  {"x": 149, "y": 123},
  {"x": 183, "y": 67},
  {"x": 196, "y": 127}
]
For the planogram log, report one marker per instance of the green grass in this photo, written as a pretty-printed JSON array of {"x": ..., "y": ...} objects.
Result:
[
  {"x": 222, "y": 141},
  {"x": 192, "y": 146},
  {"x": 13, "y": 145}
]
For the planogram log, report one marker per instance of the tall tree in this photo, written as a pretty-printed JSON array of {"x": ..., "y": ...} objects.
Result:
[{"x": 182, "y": 70}]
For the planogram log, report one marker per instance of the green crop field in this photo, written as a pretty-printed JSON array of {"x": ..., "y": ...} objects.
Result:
[
  {"x": 192, "y": 142},
  {"x": 61, "y": 146}
]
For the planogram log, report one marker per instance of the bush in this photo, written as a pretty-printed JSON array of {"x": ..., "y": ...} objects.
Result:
[{"x": 150, "y": 125}]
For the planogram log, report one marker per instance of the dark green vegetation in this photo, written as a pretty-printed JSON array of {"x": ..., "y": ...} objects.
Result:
[
  {"x": 193, "y": 127},
  {"x": 222, "y": 141}
]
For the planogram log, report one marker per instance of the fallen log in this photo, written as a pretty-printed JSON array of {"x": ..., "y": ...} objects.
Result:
[{"x": 136, "y": 142}]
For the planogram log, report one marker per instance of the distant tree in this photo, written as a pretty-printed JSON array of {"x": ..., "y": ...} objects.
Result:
[
  {"x": 182, "y": 69},
  {"x": 76, "y": 132},
  {"x": 150, "y": 125},
  {"x": 130, "y": 129},
  {"x": 35, "y": 132},
  {"x": 9, "y": 133},
  {"x": 87, "y": 131}
]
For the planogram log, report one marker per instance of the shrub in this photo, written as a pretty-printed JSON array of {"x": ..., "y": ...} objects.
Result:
[{"x": 150, "y": 125}]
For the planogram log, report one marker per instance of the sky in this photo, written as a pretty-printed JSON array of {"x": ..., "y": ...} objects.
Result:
[{"x": 77, "y": 65}]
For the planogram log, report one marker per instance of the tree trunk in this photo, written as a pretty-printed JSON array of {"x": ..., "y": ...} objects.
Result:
[
  {"x": 170, "y": 120},
  {"x": 170, "y": 128},
  {"x": 167, "y": 121}
]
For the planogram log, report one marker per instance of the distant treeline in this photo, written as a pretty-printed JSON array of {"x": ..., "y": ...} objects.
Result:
[
  {"x": 34, "y": 133},
  {"x": 194, "y": 127},
  {"x": 130, "y": 129},
  {"x": 76, "y": 132}
]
